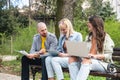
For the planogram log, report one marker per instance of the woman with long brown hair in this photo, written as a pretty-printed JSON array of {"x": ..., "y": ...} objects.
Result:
[{"x": 100, "y": 51}]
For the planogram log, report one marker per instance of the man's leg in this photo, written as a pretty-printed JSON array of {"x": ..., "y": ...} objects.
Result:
[
  {"x": 49, "y": 67},
  {"x": 25, "y": 66},
  {"x": 44, "y": 71}
]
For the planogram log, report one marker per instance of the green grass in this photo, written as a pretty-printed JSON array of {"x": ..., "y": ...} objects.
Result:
[
  {"x": 96, "y": 78},
  {"x": 12, "y": 67},
  {"x": 66, "y": 75}
]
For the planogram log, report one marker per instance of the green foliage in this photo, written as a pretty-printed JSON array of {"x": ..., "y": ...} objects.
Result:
[
  {"x": 98, "y": 8},
  {"x": 5, "y": 47},
  {"x": 78, "y": 13},
  {"x": 22, "y": 40},
  {"x": 6, "y": 20},
  {"x": 24, "y": 37},
  {"x": 2, "y": 4},
  {"x": 95, "y": 6},
  {"x": 113, "y": 29},
  {"x": 10, "y": 19},
  {"x": 21, "y": 18},
  {"x": 94, "y": 9},
  {"x": 106, "y": 12},
  {"x": 7, "y": 23},
  {"x": 80, "y": 26}
]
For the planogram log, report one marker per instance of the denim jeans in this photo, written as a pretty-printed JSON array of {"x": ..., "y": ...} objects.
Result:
[
  {"x": 25, "y": 67},
  {"x": 54, "y": 65},
  {"x": 49, "y": 67},
  {"x": 58, "y": 63},
  {"x": 78, "y": 72}
]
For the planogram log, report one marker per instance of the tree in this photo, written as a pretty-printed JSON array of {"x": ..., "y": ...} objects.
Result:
[
  {"x": 5, "y": 19},
  {"x": 95, "y": 8},
  {"x": 107, "y": 12},
  {"x": 10, "y": 19},
  {"x": 99, "y": 8}
]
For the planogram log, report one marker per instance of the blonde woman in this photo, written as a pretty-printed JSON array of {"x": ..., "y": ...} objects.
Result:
[{"x": 55, "y": 64}]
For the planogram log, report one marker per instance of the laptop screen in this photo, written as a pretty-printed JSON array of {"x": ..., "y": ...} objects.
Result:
[{"x": 77, "y": 48}]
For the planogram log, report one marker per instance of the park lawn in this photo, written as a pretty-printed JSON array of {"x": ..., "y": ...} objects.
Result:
[{"x": 89, "y": 78}]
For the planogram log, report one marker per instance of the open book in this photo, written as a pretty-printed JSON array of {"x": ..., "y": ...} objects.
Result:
[
  {"x": 22, "y": 52},
  {"x": 49, "y": 53}
]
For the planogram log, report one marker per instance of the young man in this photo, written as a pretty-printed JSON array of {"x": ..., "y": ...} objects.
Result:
[{"x": 42, "y": 42}]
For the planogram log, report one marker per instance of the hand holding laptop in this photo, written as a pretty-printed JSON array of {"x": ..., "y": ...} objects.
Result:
[{"x": 63, "y": 54}]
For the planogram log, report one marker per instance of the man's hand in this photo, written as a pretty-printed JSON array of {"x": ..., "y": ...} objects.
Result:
[
  {"x": 31, "y": 56},
  {"x": 42, "y": 51}
]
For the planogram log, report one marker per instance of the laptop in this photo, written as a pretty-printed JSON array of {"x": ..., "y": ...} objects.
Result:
[
  {"x": 53, "y": 52},
  {"x": 77, "y": 48}
]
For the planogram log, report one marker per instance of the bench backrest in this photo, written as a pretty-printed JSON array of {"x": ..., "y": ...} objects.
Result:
[{"x": 116, "y": 54}]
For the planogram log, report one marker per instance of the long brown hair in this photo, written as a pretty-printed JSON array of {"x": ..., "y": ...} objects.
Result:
[{"x": 98, "y": 26}]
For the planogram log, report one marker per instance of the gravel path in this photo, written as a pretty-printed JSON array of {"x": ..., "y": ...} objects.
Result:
[{"x": 4, "y": 76}]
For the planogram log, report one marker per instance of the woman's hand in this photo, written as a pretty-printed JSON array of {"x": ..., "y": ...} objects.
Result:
[
  {"x": 97, "y": 56},
  {"x": 92, "y": 56},
  {"x": 63, "y": 55},
  {"x": 86, "y": 60}
]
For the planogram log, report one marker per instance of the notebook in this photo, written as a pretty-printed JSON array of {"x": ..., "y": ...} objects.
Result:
[
  {"x": 77, "y": 48},
  {"x": 49, "y": 53},
  {"x": 53, "y": 53},
  {"x": 22, "y": 52}
]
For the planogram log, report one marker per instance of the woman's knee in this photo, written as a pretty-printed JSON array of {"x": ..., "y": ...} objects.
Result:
[
  {"x": 54, "y": 59},
  {"x": 86, "y": 61},
  {"x": 73, "y": 59},
  {"x": 48, "y": 59}
]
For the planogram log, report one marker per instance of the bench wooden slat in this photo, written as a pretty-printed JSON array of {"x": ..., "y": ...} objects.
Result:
[
  {"x": 116, "y": 58},
  {"x": 116, "y": 53},
  {"x": 116, "y": 49},
  {"x": 114, "y": 75}
]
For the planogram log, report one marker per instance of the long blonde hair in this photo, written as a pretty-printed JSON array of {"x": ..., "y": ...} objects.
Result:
[{"x": 69, "y": 26}]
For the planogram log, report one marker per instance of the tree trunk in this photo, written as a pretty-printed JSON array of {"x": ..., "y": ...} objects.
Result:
[{"x": 64, "y": 10}]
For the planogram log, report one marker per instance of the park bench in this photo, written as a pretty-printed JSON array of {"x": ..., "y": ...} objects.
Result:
[{"x": 109, "y": 76}]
